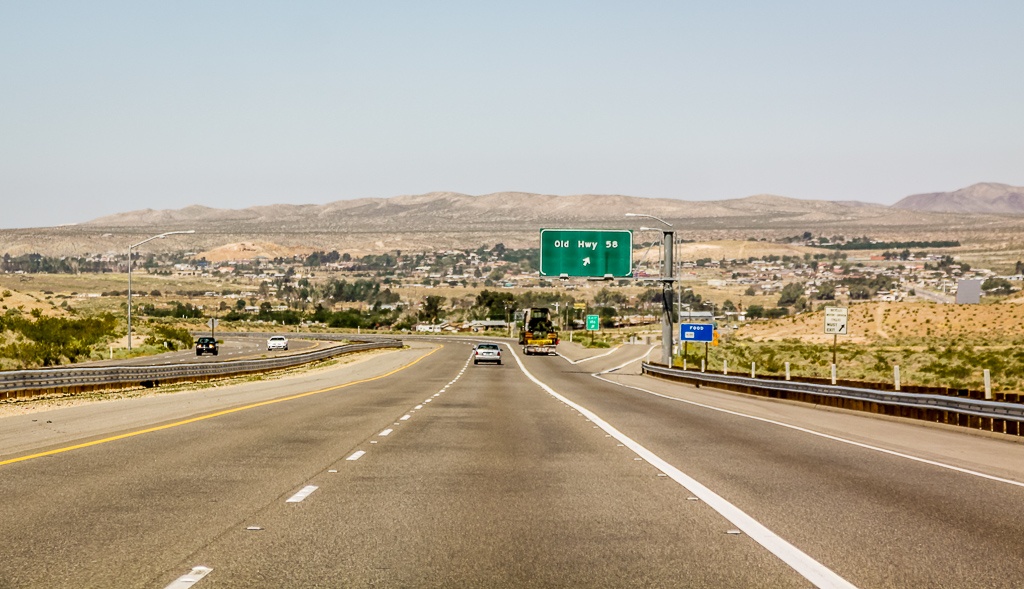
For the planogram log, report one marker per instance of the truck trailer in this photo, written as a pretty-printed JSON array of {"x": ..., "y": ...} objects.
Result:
[{"x": 538, "y": 335}]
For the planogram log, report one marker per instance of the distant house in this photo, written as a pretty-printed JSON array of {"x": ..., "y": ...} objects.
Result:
[
  {"x": 484, "y": 325},
  {"x": 696, "y": 316}
]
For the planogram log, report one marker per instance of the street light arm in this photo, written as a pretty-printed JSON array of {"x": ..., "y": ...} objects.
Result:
[
  {"x": 161, "y": 236},
  {"x": 660, "y": 220}
]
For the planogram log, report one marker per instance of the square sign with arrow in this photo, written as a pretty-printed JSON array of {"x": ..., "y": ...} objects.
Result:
[
  {"x": 595, "y": 253},
  {"x": 836, "y": 320}
]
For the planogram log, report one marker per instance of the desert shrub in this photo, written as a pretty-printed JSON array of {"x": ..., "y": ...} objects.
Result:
[
  {"x": 174, "y": 338},
  {"x": 50, "y": 341}
]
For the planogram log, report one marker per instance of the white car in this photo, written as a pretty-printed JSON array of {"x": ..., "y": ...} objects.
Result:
[
  {"x": 487, "y": 353},
  {"x": 277, "y": 342}
]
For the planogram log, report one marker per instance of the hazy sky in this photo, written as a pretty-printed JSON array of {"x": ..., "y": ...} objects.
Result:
[{"x": 107, "y": 107}]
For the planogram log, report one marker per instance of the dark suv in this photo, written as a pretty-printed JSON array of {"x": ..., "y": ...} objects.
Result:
[{"x": 206, "y": 344}]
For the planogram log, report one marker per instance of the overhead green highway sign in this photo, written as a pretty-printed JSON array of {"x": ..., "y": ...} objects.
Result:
[{"x": 601, "y": 253}]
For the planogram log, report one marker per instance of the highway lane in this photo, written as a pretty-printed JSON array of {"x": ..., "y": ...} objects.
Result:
[
  {"x": 486, "y": 479},
  {"x": 122, "y": 513},
  {"x": 232, "y": 348},
  {"x": 489, "y": 482},
  {"x": 881, "y": 502}
]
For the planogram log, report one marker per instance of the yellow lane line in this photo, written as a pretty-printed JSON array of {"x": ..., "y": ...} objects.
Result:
[{"x": 212, "y": 415}]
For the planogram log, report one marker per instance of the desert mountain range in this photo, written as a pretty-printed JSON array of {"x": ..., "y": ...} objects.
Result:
[
  {"x": 453, "y": 220},
  {"x": 987, "y": 197}
]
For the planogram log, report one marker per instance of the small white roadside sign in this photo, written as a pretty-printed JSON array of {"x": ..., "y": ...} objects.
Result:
[{"x": 836, "y": 320}]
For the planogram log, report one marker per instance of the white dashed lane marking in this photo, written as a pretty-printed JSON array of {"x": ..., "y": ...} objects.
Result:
[
  {"x": 359, "y": 454},
  {"x": 191, "y": 578},
  {"x": 305, "y": 492}
]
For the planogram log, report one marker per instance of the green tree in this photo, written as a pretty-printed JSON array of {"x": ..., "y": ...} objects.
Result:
[
  {"x": 790, "y": 293},
  {"x": 860, "y": 292},
  {"x": 431, "y": 311},
  {"x": 610, "y": 298},
  {"x": 494, "y": 303},
  {"x": 997, "y": 286},
  {"x": 826, "y": 292}
]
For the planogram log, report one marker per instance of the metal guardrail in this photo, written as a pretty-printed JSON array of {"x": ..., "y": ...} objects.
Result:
[
  {"x": 996, "y": 416},
  {"x": 298, "y": 335},
  {"x": 26, "y": 383}
]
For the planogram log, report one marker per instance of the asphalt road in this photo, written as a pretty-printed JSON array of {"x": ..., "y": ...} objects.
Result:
[
  {"x": 416, "y": 468},
  {"x": 232, "y": 348}
]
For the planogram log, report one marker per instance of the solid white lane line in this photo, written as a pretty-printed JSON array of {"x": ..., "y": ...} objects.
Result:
[
  {"x": 624, "y": 364},
  {"x": 191, "y": 578},
  {"x": 305, "y": 492},
  {"x": 590, "y": 358},
  {"x": 812, "y": 570},
  {"x": 386, "y": 432},
  {"x": 356, "y": 455},
  {"x": 823, "y": 435}
]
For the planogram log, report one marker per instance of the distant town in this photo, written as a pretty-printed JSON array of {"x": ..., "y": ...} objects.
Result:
[{"x": 397, "y": 286}]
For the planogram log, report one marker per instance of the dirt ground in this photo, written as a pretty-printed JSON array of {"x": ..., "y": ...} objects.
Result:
[{"x": 880, "y": 321}]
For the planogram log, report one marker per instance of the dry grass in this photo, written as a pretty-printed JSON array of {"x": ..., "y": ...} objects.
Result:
[
  {"x": 934, "y": 345},
  {"x": 881, "y": 322}
]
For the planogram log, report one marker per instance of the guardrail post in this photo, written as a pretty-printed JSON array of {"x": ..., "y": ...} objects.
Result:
[
  {"x": 896, "y": 376},
  {"x": 725, "y": 367},
  {"x": 988, "y": 384},
  {"x": 753, "y": 370},
  {"x": 833, "y": 374},
  {"x": 787, "y": 370}
]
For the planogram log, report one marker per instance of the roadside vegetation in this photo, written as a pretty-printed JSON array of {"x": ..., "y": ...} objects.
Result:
[{"x": 37, "y": 340}]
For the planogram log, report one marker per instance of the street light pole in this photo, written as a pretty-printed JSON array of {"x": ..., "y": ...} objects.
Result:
[
  {"x": 666, "y": 287},
  {"x": 134, "y": 245}
]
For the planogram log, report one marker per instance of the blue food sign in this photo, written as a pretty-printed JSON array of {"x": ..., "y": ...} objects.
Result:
[{"x": 696, "y": 332}]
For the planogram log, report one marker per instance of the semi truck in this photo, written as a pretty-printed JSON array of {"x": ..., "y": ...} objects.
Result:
[{"x": 538, "y": 335}]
